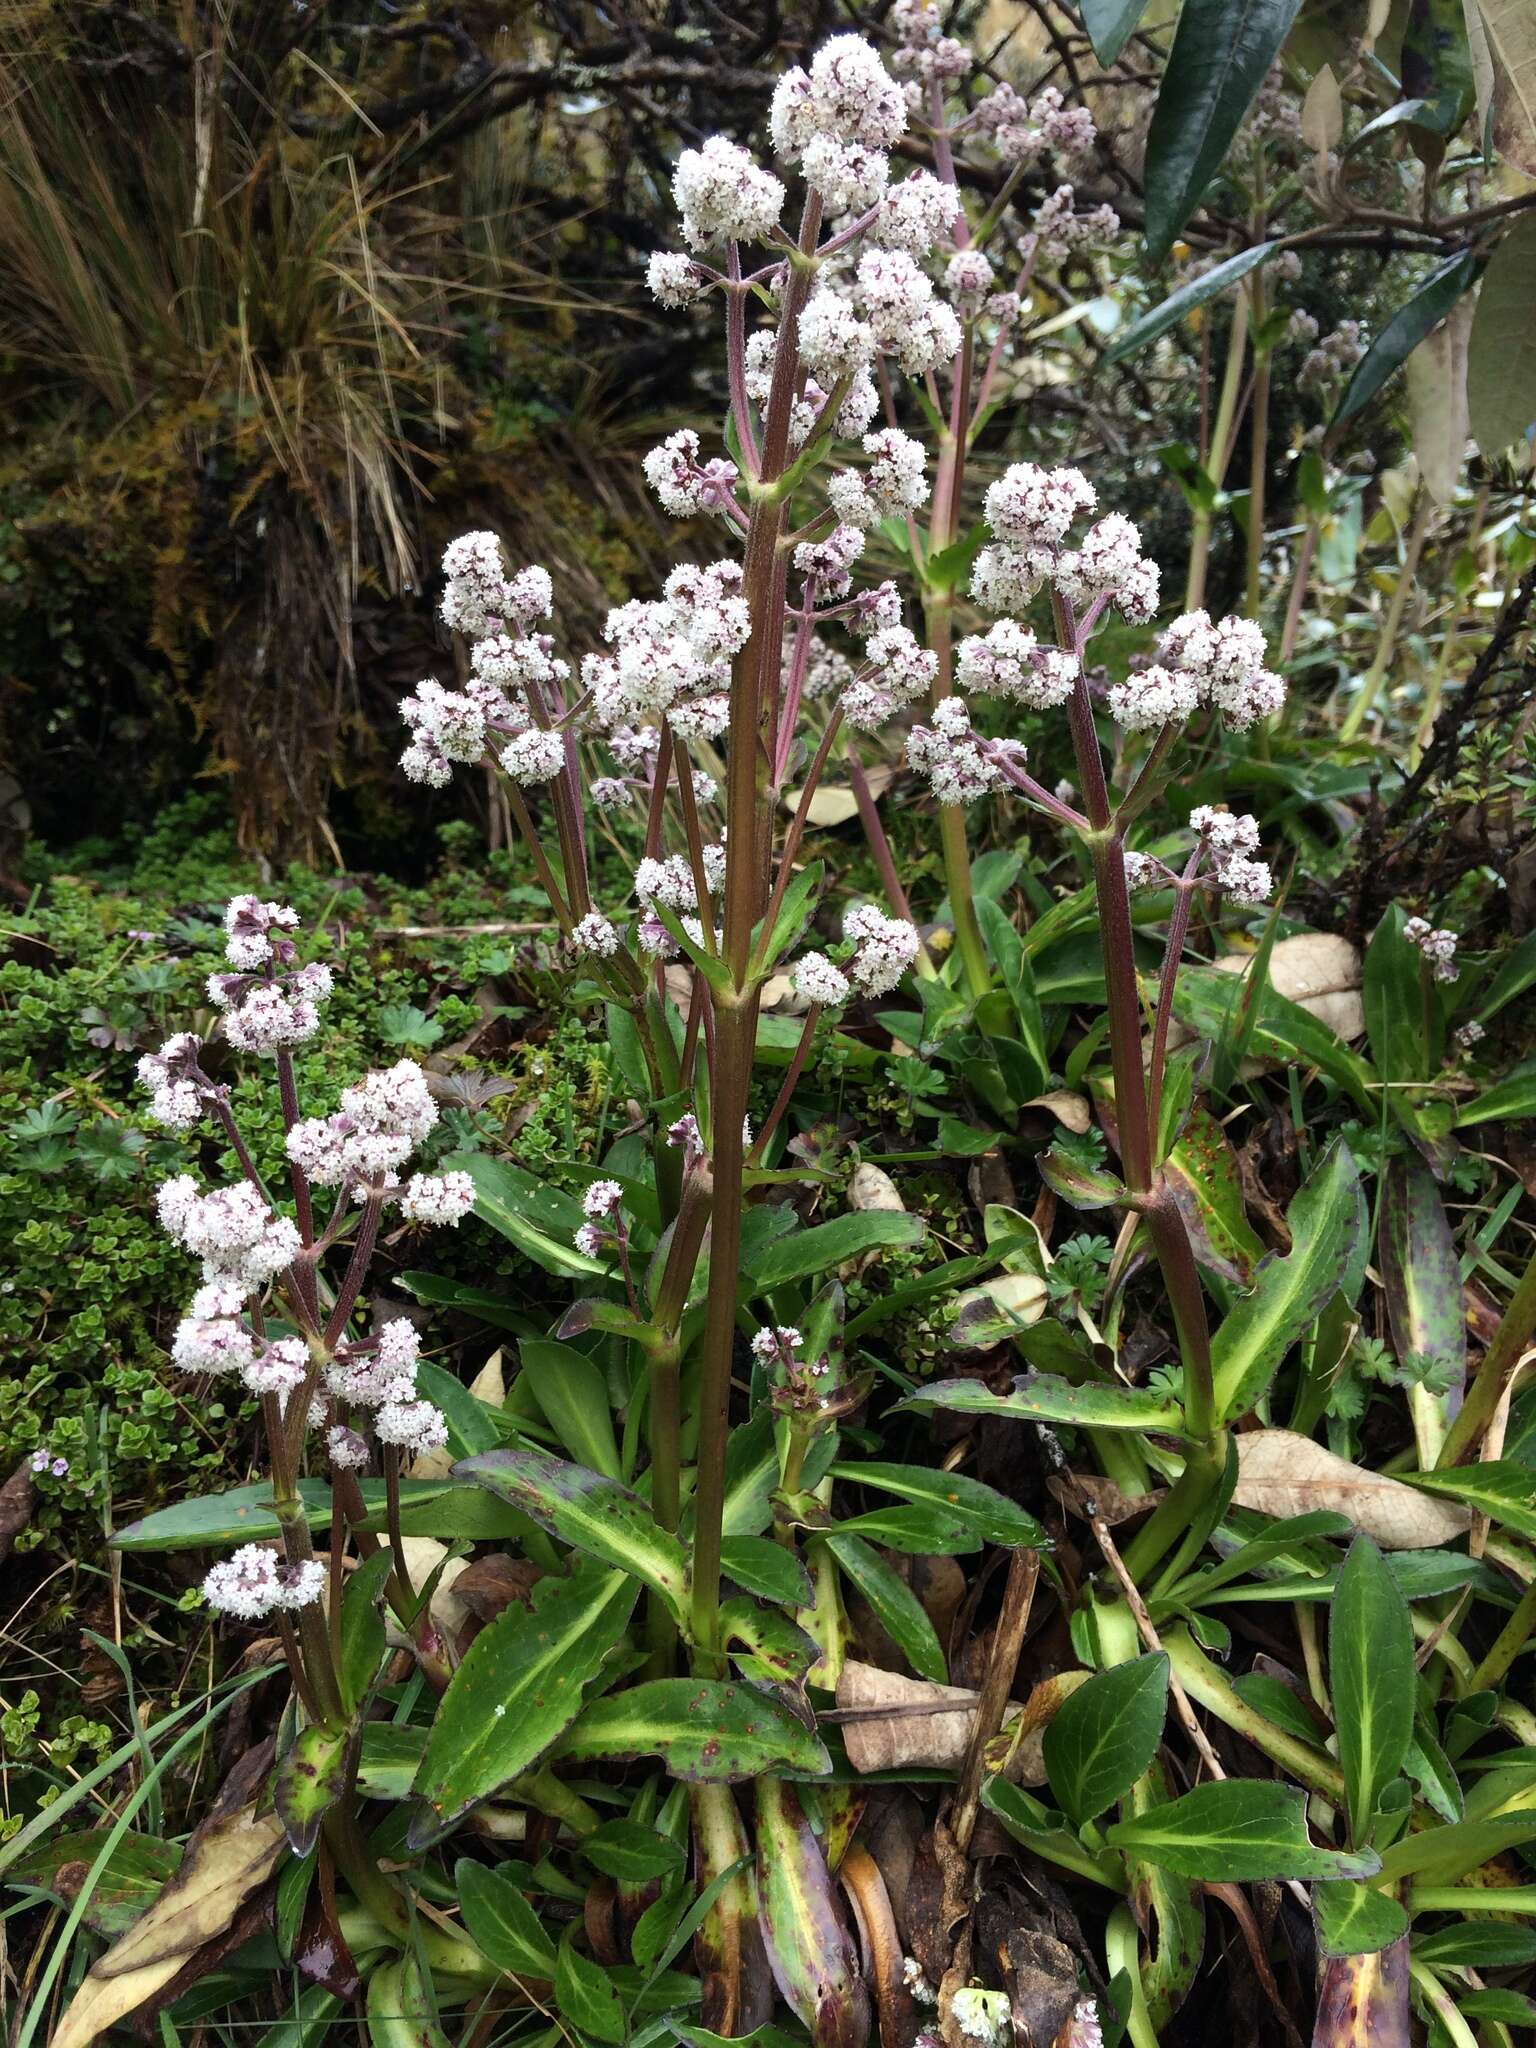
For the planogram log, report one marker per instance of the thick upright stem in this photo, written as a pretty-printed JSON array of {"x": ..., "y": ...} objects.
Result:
[
  {"x": 1391, "y": 625},
  {"x": 1216, "y": 460},
  {"x": 735, "y": 1038},
  {"x": 939, "y": 613},
  {"x": 1499, "y": 1362}
]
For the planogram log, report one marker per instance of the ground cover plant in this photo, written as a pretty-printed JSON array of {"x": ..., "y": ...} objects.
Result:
[{"x": 874, "y": 1379}]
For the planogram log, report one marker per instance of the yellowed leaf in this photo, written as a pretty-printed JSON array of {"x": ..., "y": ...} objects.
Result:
[
  {"x": 1501, "y": 357},
  {"x": 988, "y": 1314},
  {"x": 219, "y": 1874},
  {"x": 1511, "y": 26},
  {"x": 423, "y": 1555},
  {"x": 1322, "y": 113},
  {"x": 490, "y": 1382},
  {"x": 1280, "y": 1473},
  {"x": 834, "y": 803},
  {"x": 1068, "y": 1109},
  {"x": 1437, "y": 403},
  {"x": 895, "y": 1722},
  {"x": 873, "y": 1188}
]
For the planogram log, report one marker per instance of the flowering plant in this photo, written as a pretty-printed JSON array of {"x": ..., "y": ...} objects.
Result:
[{"x": 696, "y": 740}]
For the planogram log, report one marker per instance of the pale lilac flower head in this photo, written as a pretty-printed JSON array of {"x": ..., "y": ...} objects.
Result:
[
  {"x": 885, "y": 948},
  {"x": 816, "y": 979},
  {"x": 1437, "y": 946},
  {"x": 723, "y": 195},
  {"x": 441, "y": 1198}
]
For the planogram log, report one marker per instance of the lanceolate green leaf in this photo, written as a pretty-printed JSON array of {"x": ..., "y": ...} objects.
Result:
[
  {"x": 705, "y": 1731},
  {"x": 1442, "y": 1855},
  {"x": 1392, "y": 991},
  {"x": 1105, "y": 1735},
  {"x": 1356, "y": 1920},
  {"x": 573, "y": 1393},
  {"x": 1110, "y": 24},
  {"x": 586, "y": 1510},
  {"x": 501, "y": 1923},
  {"x": 1404, "y": 331},
  {"x": 540, "y": 1221},
  {"x": 445, "y": 1508},
  {"x": 990, "y": 1513},
  {"x": 1328, "y": 1220},
  {"x": 517, "y": 1691},
  {"x": 1236, "y": 1832},
  {"x": 1505, "y": 1101},
  {"x": 1184, "y": 301},
  {"x": 1040, "y": 1397},
  {"x": 1221, "y": 52},
  {"x": 1372, "y": 1680},
  {"x": 1503, "y": 1490},
  {"x": 1421, "y": 1277},
  {"x": 895, "y": 1606},
  {"x": 827, "y": 1245}
]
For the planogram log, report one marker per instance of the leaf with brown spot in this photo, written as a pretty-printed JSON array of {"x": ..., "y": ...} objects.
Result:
[
  {"x": 1282, "y": 1474},
  {"x": 1362, "y": 2001},
  {"x": 222, "y": 1868}
]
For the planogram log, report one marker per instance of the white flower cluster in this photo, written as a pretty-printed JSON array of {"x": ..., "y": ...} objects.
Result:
[
  {"x": 893, "y": 483},
  {"x": 903, "y": 317},
  {"x": 1220, "y": 665},
  {"x": 923, "y": 51},
  {"x": 379, "y": 1375},
  {"x": 885, "y": 948},
  {"x": 595, "y": 934},
  {"x": 723, "y": 196},
  {"x": 480, "y": 598},
  {"x": 241, "y": 1243},
  {"x": 1032, "y": 511},
  {"x": 508, "y": 659},
  {"x": 837, "y": 121},
  {"x": 1023, "y": 131},
  {"x": 1333, "y": 355},
  {"x": 860, "y": 402},
  {"x": 672, "y": 656},
  {"x": 683, "y": 485},
  {"x": 815, "y": 978},
  {"x": 254, "y": 1582},
  {"x": 959, "y": 766},
  {"x": 1009, "y": 662},
  {"x": 776, "y": 1344},
  {"x": 897, "y": 670},
  {"x": 1230, "y": 841},
  {"x": 675, "y": 279},
  {"x": 1059, "y": 228},
  {"x": 1437, "y": 945},
  {"x": 381, "y": 1120},
  {"x": 179, "y": 1089},
  {"x": 604, "y": 1228},
  {"x": 269, "y": 1006}
]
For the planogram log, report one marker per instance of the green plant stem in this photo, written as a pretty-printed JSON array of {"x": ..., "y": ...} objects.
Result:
[
  {"x": 1215, "y": 456},
  {"x": 1508, "y": 1644},
  {"x": 749, "y": 821},
  {"x": 1452, "y": 1898},
  {"x": 1493, "y": 1375},
  {"x": 1301, "y": 577},
  {"x": 938, "y": 615},
  {"x": 324, "y": 1687},
  {"x": 1258, "y": 472},
  {"x": 1206, "y": 1685},
  {"x": 880, "y": 852},
  {"x": 1122, "y": 1952},
  {"x": 1391, "y": 625}
]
